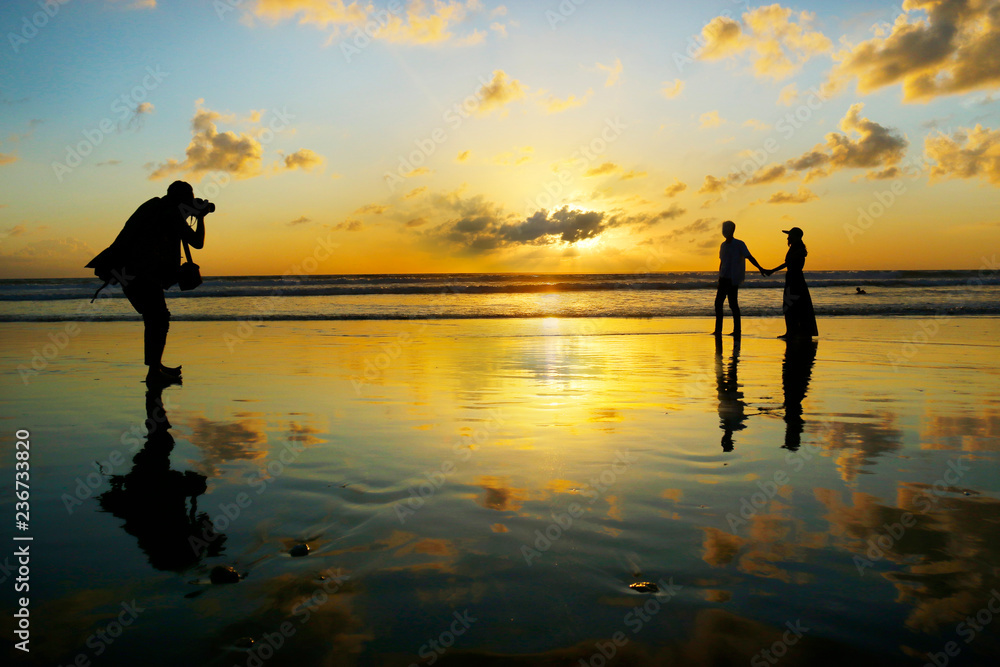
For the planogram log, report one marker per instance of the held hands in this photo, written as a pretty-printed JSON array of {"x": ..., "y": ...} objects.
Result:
[{"x": 766, "y": 273}]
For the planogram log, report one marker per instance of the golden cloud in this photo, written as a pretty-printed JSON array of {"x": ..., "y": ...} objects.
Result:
[
  {"x": 417, "y": 23},
  {"x": 602, "y": 170},
  {"x": 374, "y": 209},
  {"x": 498, "y": 93},
  {"x": 614, "y": 72},
  {"x": 802, "y": 196},
  {"x": 780, "y": 41},
  {"x": 955, "y": 50},
  {"x": 211, "y": 150},
  {"x": 710, "y": 119},
  {"x": 675, "y": 189},
  {"x": 712, "y": 185},
  {"x": 672, "y": 89},
  {"x": 303, "y": 159},
  {"x": 788, "y": 95},
  {"x": 514, "y": 158},
  {"x": 967, "y": 153},
  {"x": 555, "y": 105}
]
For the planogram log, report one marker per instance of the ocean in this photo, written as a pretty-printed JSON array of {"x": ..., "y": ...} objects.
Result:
[{"x": 509, "y": 295}]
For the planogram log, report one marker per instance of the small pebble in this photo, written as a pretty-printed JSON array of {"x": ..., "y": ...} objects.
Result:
[
  {"x": 224, "y": 574},
  {"x": 299, "y": 550},
  {"x": 244, "y": 643},
  {"x": 644, "y": 587}
]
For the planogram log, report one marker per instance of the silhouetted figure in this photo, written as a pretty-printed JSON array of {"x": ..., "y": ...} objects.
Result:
[
  {"x": 860, "y": 291},
  {"x": 800, "y": 320},
  {"x": 145, "y": 259},
  {"x": 152, "y": 499},
  {"x": 796, "y": 369},
  {"x": 732, "y": 408},
  {"x": 733, "y": 254}
]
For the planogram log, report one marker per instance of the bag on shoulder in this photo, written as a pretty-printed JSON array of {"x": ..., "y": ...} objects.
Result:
[{"x": 189, "y": 275}]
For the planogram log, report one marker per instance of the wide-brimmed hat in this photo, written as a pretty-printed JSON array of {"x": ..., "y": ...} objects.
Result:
[{"x": 794, "y": 231}]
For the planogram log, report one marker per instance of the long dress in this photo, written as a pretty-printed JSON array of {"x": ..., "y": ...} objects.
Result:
[{"x": 800, "y": 320}]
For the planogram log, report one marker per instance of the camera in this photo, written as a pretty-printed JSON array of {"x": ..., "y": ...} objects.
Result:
[{"x": 204, "y": 206}]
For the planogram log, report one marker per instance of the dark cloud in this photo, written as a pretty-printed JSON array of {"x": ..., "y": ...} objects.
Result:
[{"x": 482, "y": 226}]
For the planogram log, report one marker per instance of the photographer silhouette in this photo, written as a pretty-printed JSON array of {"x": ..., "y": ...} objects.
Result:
[{"x": 145, "y": 260}]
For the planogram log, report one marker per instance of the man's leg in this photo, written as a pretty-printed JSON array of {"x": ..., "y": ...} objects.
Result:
[
  {"x": 734, "y": 305},
  {"x": 720, "y": 298},
  {"x": 148, "y": 300}
]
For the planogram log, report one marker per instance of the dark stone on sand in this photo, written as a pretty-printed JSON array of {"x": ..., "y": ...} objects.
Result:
[
  {"x": 224, "y": 574},
  {"x": 244, "y": 643},
  {"x": 299, "y": 550},
  {"x": 644, "y": 587}
]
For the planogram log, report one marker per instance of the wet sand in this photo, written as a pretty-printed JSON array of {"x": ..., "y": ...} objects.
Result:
[{"x": 485, "y": 492}]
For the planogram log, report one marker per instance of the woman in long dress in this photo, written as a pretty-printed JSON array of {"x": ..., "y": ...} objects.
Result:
[{"x": 800, "y": 320}]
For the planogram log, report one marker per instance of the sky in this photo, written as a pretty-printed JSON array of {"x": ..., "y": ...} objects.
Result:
[{"x": 562, "y": 136}]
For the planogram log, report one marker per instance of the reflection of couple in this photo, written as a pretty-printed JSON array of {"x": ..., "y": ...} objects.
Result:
[
  {"x": 800, "y": 320},
  {"x": 796, "y": 369}
]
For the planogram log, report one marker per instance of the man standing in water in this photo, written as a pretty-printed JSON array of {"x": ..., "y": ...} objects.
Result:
[
  {"x": 145, "y": 259},
  {"x": 733, "y": 254}
]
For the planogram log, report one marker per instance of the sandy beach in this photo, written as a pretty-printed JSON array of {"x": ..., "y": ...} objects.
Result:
[{"x": 489, "y": 491}]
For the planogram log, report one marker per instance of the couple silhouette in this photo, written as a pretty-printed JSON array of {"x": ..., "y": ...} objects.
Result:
[{"x": 800, "y": 319}]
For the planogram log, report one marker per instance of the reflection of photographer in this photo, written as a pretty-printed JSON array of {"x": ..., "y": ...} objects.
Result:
[
  {"x": 152, "y": 499},
  {"x": 145, "y": 259}
]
